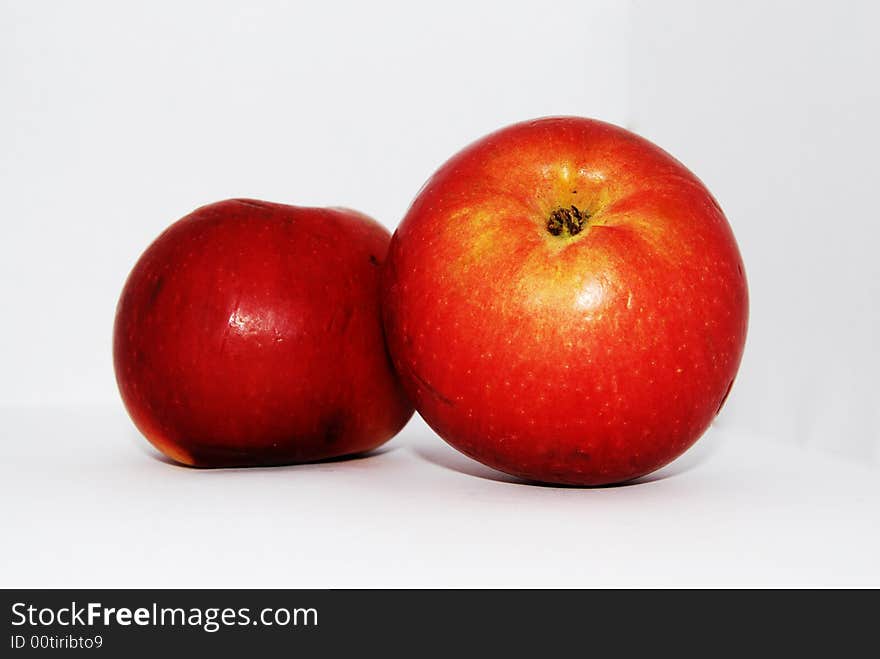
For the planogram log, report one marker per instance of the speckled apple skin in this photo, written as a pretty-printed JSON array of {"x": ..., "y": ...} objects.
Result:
[
  {"x": 250, "y": 333},
  {"x": 578, "y": 358}
]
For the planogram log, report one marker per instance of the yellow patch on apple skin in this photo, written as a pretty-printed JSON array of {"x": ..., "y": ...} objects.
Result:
[
  {"x": 578, "y": 278},
  {"x": 483, "y": 232},
  {"x": 175, "y": 453},
  {"x": 151, "y": 430},
  {"x": 165, "y": 446},
  {"x": 479, "y": 227}
]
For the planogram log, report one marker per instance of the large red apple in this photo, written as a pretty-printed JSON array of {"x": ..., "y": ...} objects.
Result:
[
  {"x": 565, "y": 302},
  {"x": 250, "y": 333}
]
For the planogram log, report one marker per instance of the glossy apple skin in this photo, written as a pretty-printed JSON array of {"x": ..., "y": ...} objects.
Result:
[
  {"x": 582, "y": 359},
  {"x": 250, "y": 333}
]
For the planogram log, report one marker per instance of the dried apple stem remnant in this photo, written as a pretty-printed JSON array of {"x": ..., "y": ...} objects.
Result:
[{"x": 569, "y": 220}]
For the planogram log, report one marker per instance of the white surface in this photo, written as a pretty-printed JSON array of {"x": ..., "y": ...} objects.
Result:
[
  {"x": 775, "y": 105},
  {"x": 85, "y": 503}
]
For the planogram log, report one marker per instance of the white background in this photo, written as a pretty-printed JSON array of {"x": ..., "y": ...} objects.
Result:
[{"x": 116, "y": 119}]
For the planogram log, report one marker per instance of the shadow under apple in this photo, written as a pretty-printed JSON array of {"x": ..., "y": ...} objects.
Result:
[
  {"x": 151, "y": 452},
  {"x": 442, "y": 455}
]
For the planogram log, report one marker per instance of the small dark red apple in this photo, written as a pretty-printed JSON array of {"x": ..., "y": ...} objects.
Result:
[
  {"x": 565, "y": 302},
  {"x": 249, "y": 333}
]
